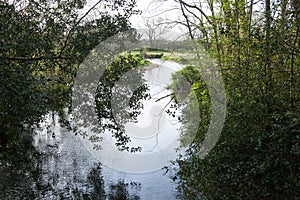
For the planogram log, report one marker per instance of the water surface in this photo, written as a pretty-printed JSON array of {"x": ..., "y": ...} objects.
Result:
[{"x": 67, "y": 168}]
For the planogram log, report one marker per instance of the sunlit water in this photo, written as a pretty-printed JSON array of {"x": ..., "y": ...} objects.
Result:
[{"x": 65, "y": 162}]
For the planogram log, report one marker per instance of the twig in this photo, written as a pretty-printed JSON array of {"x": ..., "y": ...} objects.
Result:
[{"x": 75, "y": 25}]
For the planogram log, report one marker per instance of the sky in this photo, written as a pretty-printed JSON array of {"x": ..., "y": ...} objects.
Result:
[
  {"x": 157, "y": 10},
  {"x": 152, "y": 9}
]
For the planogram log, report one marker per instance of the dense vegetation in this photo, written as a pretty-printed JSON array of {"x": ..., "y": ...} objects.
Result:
[
  {"x": 257, "y": 155},
  {"x": 42, "y": 44}
]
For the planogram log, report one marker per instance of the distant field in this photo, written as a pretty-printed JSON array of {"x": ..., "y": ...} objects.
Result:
[{"x": 183, "y": 58}]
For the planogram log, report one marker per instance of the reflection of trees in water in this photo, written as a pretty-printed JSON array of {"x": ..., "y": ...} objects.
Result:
[
  {"x": 96, "y": 180},
  {"x": 48, "y": 176},
  {"x": 24, "y": 185},
  {"x": 120, "y": 92},
  {"x": 119, "y": 191}
]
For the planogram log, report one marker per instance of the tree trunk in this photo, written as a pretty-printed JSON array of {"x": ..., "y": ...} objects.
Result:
[
  {"x": 268, "y": 70},
  {"x": 3, "y": 142}
]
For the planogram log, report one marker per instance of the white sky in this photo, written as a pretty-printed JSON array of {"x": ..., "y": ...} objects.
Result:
[
  {"x": 156, "y": 9},
  {"x": 153, "y": 9}
]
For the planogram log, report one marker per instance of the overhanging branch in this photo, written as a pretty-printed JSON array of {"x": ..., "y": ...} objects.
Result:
[{"x": 35, "y": 58}]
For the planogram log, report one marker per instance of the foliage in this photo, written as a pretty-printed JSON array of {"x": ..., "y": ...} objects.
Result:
[
  {"x": 149, "y": 49},
  {"x": 141, "y": 60},
  {"x": 152, "y": 55},
  {"x": 181, "y": 60},
  {"x": 191, "y": 94},
  {"x": 258, "y": 54},
  {"x": 42, "y": 44}
]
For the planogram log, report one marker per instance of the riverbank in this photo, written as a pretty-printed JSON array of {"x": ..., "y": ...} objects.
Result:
[
  {"x": 150, "y": 66},
  {"x": 184, "y": 58}
]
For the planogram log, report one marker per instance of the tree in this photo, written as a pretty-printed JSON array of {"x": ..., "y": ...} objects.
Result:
[
  {"x": 42, "y": 45},
  {"x": 155, "y": 30},
  {"x": 257, "y": 53}
]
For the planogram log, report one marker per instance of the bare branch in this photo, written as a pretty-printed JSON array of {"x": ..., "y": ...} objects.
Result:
[
  {"x": 76, "y": 24},
  {"x": 197, "y": 8},
  {"x": 35, "y": 58}
]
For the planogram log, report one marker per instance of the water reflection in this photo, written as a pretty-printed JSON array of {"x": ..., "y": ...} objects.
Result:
[
  {"x": 119, "y": 99},
  {"x": 153, "y": 130},
  {"x": 62, "y": 168}
]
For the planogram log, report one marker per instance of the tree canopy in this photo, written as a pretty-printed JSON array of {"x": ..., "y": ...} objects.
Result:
[
  {"x": 42, "y": 44},
  {"x": 256, "y": 47}
]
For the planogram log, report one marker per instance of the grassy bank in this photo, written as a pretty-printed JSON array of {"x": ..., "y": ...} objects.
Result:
[{"x": 182, "y": 58}]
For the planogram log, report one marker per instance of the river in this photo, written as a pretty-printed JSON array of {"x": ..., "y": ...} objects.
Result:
[{"x": 68, "y": 168}]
